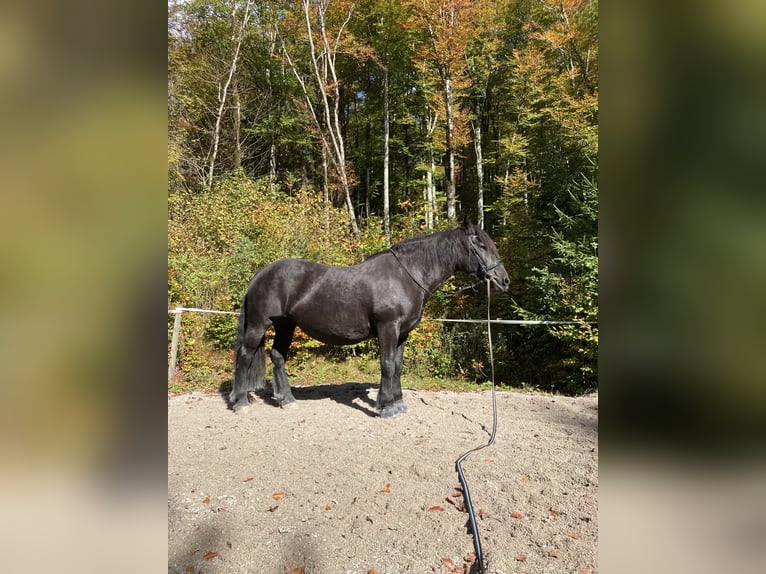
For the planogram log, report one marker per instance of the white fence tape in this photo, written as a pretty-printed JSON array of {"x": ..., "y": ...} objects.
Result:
[
  {"x": 182, "y": 309},
  {"x": 493, "y": 321},
  {"x": 179, "y": 310}
]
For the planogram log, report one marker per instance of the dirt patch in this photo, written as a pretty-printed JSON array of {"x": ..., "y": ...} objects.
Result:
[{"x": 330, "y": 488}]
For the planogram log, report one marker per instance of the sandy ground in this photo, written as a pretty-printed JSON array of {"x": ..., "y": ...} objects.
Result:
[{"x": 327, "y": 487}]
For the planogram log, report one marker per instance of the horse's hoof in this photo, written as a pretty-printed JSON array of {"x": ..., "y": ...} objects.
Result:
[
  {"x": 241, "y": 408},
  {"x": 289, "y": 404},
  {"x": 393, "y": 410},
  {"x": 388, "y": 412}
]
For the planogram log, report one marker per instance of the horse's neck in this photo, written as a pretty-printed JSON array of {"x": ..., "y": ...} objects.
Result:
[{"x": 431, "y": 262}]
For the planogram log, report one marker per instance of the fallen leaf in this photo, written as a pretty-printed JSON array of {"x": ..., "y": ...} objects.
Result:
[
  {"x": 525, "y": 479},
  {"x": 189, "y": 569},
  {"x": 450, "y": 565},
  {"x": 520, "y": 558},
  {"x": 572, "y": 534},
  {"x": 207, "y": 500},
  {"x": 328, "y": 507},
  {"x": 296, "y": 570},
  {"x": 248, "y": 479},
  {"x": 470, "y": 557},
  {"x": 554, "y": 512},
  {"x": 372, "y": 571},
  {"x": 481, "y": 513},
  {"x": 386, "y": 488},
  {"x": 210, "y": 555},
  {"x": 489, "y": 460},
  {"x": 273, "y": 508},
  {"x": 278, "y": 495},
  {"x": 436, "y": 508},
  {"x": 517, "y": 515},
  {"x": 457, "y": 494}
]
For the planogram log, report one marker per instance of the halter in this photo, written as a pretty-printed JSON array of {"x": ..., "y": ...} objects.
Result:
[{"x": 483, "y": 265}]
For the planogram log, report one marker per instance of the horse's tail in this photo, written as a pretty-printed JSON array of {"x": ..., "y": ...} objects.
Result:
[
  {"x": 241, "y": 322},
  {"x": 249, "y": 364}
]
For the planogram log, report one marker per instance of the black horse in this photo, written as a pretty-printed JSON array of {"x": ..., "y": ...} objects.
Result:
[{"x": 381, "y": 297}]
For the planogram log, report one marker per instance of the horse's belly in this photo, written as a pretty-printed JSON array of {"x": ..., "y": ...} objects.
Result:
[{"x": 333, "y": 333}]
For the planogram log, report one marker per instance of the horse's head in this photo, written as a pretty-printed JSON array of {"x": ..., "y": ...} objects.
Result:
[{"x": 483, "y": 258}]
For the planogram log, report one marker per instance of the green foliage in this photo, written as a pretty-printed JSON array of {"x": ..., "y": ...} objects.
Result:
[{"x": 222, "y": 331}]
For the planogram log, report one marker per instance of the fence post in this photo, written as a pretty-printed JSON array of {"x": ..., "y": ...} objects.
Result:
[{"x": 174, "y": 345}]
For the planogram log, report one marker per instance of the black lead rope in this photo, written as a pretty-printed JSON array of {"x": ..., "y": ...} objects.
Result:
[{"x": 459, "y": 461}]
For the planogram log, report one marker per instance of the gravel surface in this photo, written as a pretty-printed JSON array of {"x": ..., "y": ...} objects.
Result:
[{"x": 327, "y": 487}]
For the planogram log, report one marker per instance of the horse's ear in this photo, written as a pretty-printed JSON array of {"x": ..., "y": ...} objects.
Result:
[{"x": 467, "y": 225}]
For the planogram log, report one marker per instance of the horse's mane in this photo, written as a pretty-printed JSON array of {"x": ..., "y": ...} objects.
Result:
[{"x": 433, "y": 250}]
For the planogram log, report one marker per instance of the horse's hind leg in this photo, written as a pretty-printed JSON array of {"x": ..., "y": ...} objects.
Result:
[
  {"x": 250, "y": 365},
  {"x": 284, "y": 331}
]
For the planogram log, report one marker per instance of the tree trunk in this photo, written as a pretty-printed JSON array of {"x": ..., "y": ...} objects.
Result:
[
  {"x": 430, "y": 197},
  {"x": 386, "y": 207},
  {"x": 237, "y": 123},
  {"x": 272, "y": 35},
  {"x": 449, "y": 133},
  {"x": 330, "y": 129},
  {"x": 325, "y": 190},
  {"x": 479, "y": 166},
  {"x": 431, "y": 213},
  {"x": 236, "y": 40},
  {"x": 367, "y": 194}
]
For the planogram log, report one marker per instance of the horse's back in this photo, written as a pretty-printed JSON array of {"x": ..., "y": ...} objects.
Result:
[
  {"x": 286, "y": 274},
  {"x": 294, "y": 283}
]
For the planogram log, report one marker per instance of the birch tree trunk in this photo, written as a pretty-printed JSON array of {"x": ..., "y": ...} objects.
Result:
[
  {"x": 386, "y": 197},
  {"x": 431, "y": 213},
  {"x": 236, "y": 39},
  {"x": 237, "y": 123},
  {"x": 476, "y": 124},
  {"x": 272, "y": 36},
  {"x": 325, "y": 191},
  {"x": 329, "y": 128},
  {"x": 449, "y": 136}
]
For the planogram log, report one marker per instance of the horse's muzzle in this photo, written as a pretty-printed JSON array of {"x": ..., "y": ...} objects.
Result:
[{"x": 499, "y": 279}]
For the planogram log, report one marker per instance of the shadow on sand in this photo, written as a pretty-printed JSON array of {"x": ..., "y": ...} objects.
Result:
[{"x": 351, "y": 394}]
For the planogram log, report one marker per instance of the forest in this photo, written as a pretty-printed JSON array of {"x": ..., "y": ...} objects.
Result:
[{"x": 331, "y": 129}]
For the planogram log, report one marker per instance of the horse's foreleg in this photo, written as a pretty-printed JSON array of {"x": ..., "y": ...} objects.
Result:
[
  {"x": 390, "y": 401},
  {"x": 282, "y": 339}
]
